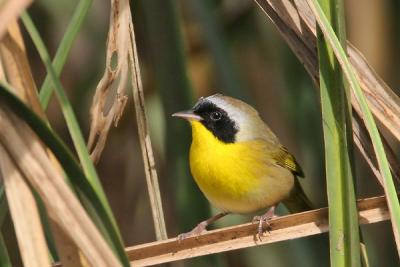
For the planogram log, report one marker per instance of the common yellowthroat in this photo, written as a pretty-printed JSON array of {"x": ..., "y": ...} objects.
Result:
[{"x": 238, "y": 162}]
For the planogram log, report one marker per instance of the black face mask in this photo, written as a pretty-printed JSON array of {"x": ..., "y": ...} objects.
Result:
[{"x": 217, "y": 121}]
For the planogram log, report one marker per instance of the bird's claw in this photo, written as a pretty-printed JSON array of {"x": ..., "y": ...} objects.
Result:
[
  {"x": 261, "y": 220},
  {"x": 198, "y": 230}
]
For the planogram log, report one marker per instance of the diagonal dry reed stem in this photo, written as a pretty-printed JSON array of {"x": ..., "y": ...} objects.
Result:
[
  {"x": 25, "y": 215},
  {"x": 288, "y": 227},
  {"x": 17, "y": 69},
  {"x": 314, "y": 222},
  {"x": 296, "y": 23},
  {"x": 26, "y": 151},
  {"x": 21, "y": 202},
  {"x": 16, "y": 64}
]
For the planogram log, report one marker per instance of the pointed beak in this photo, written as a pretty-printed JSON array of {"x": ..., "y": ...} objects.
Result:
[{"x": 187, "y": 115}]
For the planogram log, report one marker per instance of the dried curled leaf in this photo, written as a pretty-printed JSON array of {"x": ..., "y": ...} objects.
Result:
[
  {"x": 122, "y": 47},
  {"x": 110, "y": 98}
]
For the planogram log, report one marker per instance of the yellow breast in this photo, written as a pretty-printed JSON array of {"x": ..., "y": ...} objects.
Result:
[{"x": 236, "y": 177}]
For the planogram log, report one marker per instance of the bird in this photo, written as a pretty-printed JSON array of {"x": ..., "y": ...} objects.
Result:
[{"x": 238, "y": 163}]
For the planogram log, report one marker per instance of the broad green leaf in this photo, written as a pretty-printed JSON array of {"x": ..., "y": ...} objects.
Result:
[
  {"x": 390, "y": 190},
  {"x": 336, "y": 114}
]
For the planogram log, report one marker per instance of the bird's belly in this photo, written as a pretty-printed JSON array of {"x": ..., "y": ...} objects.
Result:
[{"x": 238, "y": 178}]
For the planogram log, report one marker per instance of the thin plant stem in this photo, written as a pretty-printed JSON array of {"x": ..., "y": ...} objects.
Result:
[{"x": 64, "y": 48}]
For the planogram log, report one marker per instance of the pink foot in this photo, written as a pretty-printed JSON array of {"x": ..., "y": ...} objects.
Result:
[
  {"x": 198, "y": 230},
  {"x": 264, "y": 219}
]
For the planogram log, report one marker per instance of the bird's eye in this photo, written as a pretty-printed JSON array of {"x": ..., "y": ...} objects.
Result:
[{"x": 216, "y": 116}]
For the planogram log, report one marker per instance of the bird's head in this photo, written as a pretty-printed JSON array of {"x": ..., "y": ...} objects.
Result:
[{"x": 228, "y": 119}]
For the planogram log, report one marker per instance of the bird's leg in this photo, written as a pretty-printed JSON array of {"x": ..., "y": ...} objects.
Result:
[
  {"x": 264, "y": 218},
  {"x": 201, "y": 227}
]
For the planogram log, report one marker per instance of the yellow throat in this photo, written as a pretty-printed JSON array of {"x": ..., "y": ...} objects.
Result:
[{"x": 236, "y": 177}]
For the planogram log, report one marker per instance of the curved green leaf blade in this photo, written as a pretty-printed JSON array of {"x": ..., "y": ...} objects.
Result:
[
  {"x": 60, "y": 58},
  {"x": 390, "y": 190},
  {"x": 67, "y": 110},
  {"x": 93, "y": 204}
]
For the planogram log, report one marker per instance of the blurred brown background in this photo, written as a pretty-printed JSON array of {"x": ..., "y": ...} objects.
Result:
[{"x": 196, "y": 48}]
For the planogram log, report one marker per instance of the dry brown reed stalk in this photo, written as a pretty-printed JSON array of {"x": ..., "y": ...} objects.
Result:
[
  {"x": 67, "y": 251},
  {"x": 2, "y": 74},
  {"x": 25, "y": 215},
  {"x": 364, "y": 144},
  {"x": 9, "y": 11},
  {"x": 145, "y": 142},
  {"x": 17, "y": 69},
  {"x": 297, "y": 25},
  {"x": 288, "y": 227},
  {"x": 23, "y": 209},
  {"x": 19, "y": 75},
  {"x": 27, "y": 153},
  {"x": 121, "y": 48}
]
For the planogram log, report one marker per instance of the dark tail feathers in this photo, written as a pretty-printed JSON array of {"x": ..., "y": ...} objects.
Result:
[{"x": 297, "y": 201}]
